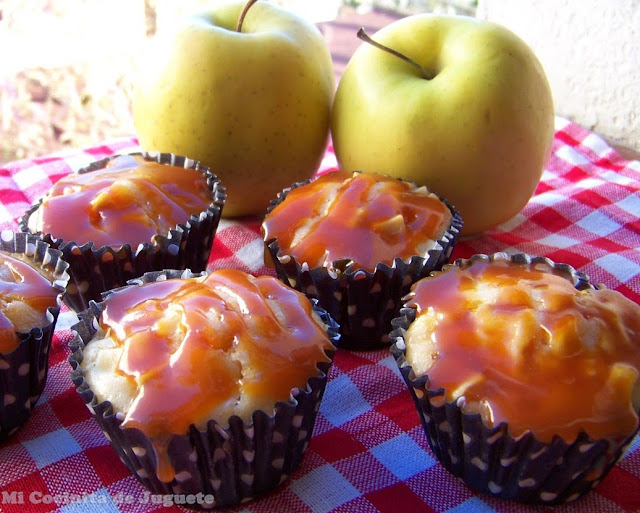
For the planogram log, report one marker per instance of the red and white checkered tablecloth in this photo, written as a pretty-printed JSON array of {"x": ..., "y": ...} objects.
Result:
[{"x": 368, "y": 452}]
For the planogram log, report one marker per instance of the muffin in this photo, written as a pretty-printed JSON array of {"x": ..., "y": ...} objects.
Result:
[
  {"x": 128, "y": 214},
  {"x": 526, "y": 376},
  {"x": 356, "y": 242},
  {"x": 32, "y": 279},
  {"x": 205, "y": 384}
]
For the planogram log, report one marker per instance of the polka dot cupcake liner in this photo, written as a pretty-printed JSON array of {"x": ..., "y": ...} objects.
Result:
[
  {"x": 188, "y": 246},
  {"x": 490, "y": 460},
  {"x": 23, "y": 372},
  {"x": 363, "y": 303},
  {"x": 227, "y": 465}
]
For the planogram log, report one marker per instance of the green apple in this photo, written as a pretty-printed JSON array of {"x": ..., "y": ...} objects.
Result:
[
  {"x": 254, "y": 104},
  {"x": 471, "y": 115}
]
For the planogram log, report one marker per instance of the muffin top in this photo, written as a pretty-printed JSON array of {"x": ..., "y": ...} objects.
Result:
[
  {"x": 129, "y": 201},
  {"x": 173, "y": 353},
  {"x": 364, "y": 217},
  {"x": 25, "y": 295},
  {"x": 522, "y": 345}
]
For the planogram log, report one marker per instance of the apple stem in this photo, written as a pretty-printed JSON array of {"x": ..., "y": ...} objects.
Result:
[
  {"x": 247, "y": 6},
  {"x": 362, "y": 35}
]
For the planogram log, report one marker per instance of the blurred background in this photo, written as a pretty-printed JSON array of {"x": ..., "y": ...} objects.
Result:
[{"x": 67, "y": 66}]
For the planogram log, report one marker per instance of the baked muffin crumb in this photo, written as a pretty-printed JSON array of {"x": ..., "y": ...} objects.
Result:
[
  {"x": 516, "y": 343},
  {"x": 25, "y": 295}
]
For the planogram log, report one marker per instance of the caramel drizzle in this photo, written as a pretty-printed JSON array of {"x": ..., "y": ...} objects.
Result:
[
  {"x": 22, "y": 283},
  {"x": 543, "y": 356},
  {"x": 231, "y": 348},
  {"x": 366, "y": 218},
  {"x": 128, "y": 202}
]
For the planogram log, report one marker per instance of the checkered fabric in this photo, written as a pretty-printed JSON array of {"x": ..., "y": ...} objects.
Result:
[{"x": 368, "y": 452}]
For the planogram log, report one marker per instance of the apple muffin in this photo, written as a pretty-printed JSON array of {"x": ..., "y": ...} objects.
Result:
[
  {"x": 356, "y": 242},
  {"x": 527, "y": 378},
  {"x": 205, "y": 384},
  {"x": 128, "y": 214},
  {"x": 32, "y": 279}
]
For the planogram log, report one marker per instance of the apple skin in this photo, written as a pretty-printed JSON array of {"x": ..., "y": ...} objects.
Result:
[
  {"x": 254, "y": 106},
  {"x": 479, "y": 133}
]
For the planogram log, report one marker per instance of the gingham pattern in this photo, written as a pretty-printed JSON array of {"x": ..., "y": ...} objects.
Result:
[{"x": 368, "y": 452}]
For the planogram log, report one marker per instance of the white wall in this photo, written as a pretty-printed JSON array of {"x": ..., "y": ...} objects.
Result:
[{"x": 591, "y": 53}]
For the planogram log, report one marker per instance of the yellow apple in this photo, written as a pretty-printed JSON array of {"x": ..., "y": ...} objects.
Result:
[
  {"x": 471, "y": 116},
  {"x": 254, "y": 105}
]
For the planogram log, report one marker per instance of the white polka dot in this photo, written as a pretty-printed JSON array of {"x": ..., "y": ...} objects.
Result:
[
  {"x": 183, "y": 476},
  {"x": 585, "y": 447},
  {"x": 477, "y": 462},
  {"x": 219, "y": 454},
  {"x": 494, "y": 438},
  {"x": 494, "y": 488},
  {"x": 536, "y": 454},
  {"x": 139, "y": 451}
]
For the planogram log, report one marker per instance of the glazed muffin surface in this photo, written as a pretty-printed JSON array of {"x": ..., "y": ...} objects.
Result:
[
  {"x": 25, "y": 295},
  {"x": 221, "y": 345},
  {"x": 522, "y": 345},
  {"x": 362, "y": 217},
  {"x": 173, "y": 353},
  {"x": 129, "y": 201},
  {"x": 33, "y": 277}
]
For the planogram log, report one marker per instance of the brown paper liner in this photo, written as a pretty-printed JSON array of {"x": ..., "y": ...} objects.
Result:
[
  {"x": 228, "y": 465},
  {"x": 363, "y": 303},
  {"x": 490, "y": 460},
  {"x": 23, "y": 372},
  {"x": 187, "y": 246}
]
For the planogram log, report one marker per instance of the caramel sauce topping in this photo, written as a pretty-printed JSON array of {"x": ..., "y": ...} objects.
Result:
[
  {"x": 525, "y": 347},
  {"x": 363, "y": 217},
  {"x": 21, "y": 283},
  {"x": 128, "y": 202},
  {"x": 220, "y": 343}
]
